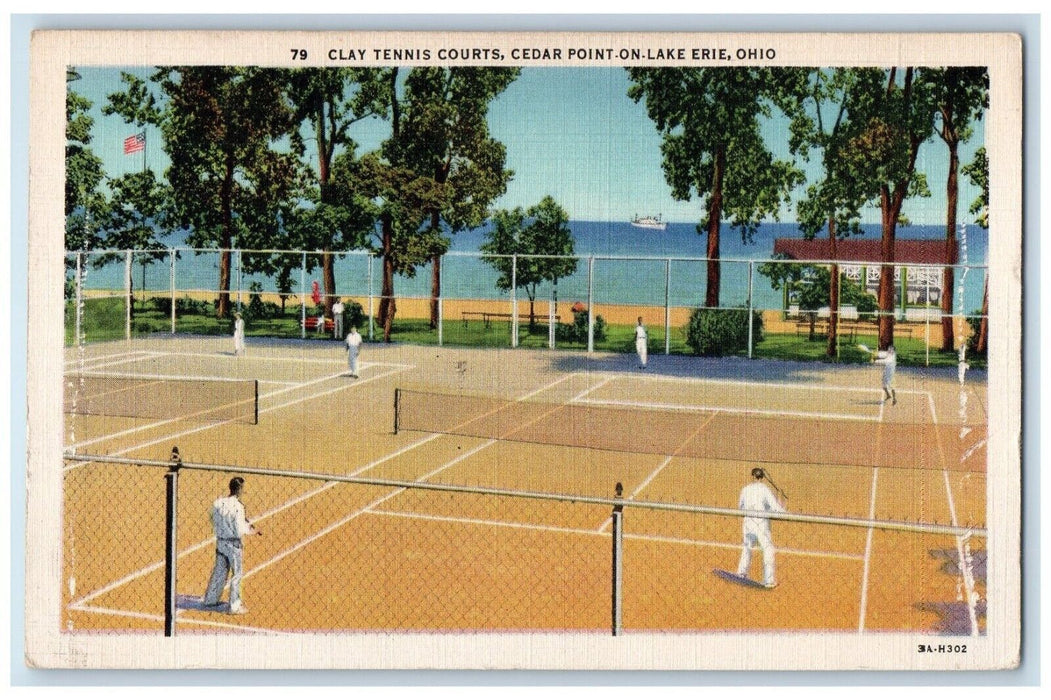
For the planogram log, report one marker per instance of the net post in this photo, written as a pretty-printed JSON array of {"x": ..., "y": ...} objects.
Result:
[
  {"x": 255, "y": 416},
  {"x": 397, "y": 404},
  {"x": 618, "y": 561},
  {"x": 171, "y": 479}
]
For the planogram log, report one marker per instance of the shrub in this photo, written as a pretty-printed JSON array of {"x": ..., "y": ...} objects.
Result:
[
  {"x": 577, "y": 332},
  {"x": 353, "y": 316},
  {"x": 975, "y": 322},
  {"x": 719, "y": 332}
]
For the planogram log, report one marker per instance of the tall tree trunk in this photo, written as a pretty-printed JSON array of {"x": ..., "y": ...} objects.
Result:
[
  {"x": 886, "y": 277},
  {"x": 952, "y": 192},
  {"x": 436, "y": 288},
  {"x": 715, "y": 213},
  {"x": 983, "y": 324},
  {"x": 226, "y": 237},
  {"x": 328, "y": 273},
  {"x": 387, "y": 306},
  {"x": 833, "y": 290}
]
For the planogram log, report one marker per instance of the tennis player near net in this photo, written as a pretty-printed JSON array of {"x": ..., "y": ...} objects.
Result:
[
  {"x": 757, "y": 496},
  {"x": 230, "y": 523}
]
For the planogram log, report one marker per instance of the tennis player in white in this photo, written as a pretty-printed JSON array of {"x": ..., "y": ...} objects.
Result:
[
  {"x": 239, "y": 335},
  {"x": 231, "y": 525},
  {"x": 640, "y": 343},
  {"x": 757, "y": 496},
  {"x": 354, "y": 341},
  {"x": 889, "y": 359}
]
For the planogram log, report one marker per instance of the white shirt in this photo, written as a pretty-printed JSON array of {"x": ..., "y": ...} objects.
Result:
[
  {"x": 889, "y": 358},
  {"x": 354, "y": 340},
  {"x": 758, "y": 496},
  {"x": 640, "y": 332},
  {"x": 239, "y": 326},
  {"x": 228, "y": 518}
]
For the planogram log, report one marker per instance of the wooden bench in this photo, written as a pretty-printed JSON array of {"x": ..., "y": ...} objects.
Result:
[
  {"x": 310, "y": 323},
  {"x": 488, "y": 316}
]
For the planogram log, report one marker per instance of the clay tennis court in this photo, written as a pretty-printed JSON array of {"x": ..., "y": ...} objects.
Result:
[{"x": 345, "y": 557}]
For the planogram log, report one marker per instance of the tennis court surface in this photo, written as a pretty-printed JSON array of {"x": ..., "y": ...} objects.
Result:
[{"x": 462, "y": 490}]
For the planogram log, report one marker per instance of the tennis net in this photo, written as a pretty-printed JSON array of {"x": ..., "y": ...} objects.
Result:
[
  {"x": 699, "y": 432},
  {"x": 160, "y": 396}
]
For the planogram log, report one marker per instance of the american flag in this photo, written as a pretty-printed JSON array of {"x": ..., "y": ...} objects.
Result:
[{"x": 134, "y": 144}]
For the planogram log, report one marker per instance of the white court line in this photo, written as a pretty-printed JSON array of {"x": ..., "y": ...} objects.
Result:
[
  {"x": 125, "y": 356},
  {"x": 126, "y": 360},
  {"x": 198, "y": 429},
  {"x": 774, "y": 385},
  {"x": 961, "y": 555},
  {"x": 687, "y": 408},
  {"x": 303, "y": 497},
  {"x": 868, "y": 553},
  {"x": 179, "y": 613},
  {"x": 267, "y": 358},
  {"x": 592, "y": 532}
]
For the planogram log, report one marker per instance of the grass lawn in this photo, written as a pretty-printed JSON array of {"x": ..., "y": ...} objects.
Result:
[{"x": 103, "y": 319}]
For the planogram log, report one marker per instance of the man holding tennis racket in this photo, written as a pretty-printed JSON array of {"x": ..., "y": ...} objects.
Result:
[
  {"x": 641, "y": 338},
  {"x": 230, "y": 523},
  {"x": 757, "y": 496},
  {"x": 889, "y": 359}
]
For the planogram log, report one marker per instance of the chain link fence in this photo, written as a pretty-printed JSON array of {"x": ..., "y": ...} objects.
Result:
[
  {"x": 799, "y": 309},
  {"x": 341, "y": 553}
]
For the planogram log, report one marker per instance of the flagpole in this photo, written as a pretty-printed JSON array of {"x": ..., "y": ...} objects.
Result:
[{"x": 144, "y": 151}]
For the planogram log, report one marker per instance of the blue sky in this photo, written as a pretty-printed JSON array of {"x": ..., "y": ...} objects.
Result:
[{"x": 572, "y": 133}]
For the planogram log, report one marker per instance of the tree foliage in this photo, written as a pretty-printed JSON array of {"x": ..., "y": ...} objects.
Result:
[
  {"x": 712, "y": 147},
  {"x": 530, "y": 247}
]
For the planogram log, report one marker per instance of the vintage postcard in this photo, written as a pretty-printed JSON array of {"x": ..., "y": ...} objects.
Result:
[{"x": 383, "y": 350}]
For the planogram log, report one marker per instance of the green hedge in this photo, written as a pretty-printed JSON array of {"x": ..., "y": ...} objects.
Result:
[{"x": 719, "y": 332}]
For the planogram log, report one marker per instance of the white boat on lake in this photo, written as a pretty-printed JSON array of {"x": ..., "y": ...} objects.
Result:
[{"x": 651, "y": 222}]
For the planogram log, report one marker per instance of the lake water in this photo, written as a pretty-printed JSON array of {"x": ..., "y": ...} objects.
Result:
[{"x": 655, "y": 271}]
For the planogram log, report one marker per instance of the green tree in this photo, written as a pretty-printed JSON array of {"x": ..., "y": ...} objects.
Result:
[
  {"x": 894, "y": 118},
  {"x": 220, "y": 125},
  {"x": 709, "y": 120},
  {"x": 977, "y": 172},
  {"x": 961, "y": 96},
  {"x": 445, "y": 140},
  {"x": 135, "y": 219},
  {"x": 327, "y": 103},
  {"x": 84, "y": 200},
  {"x": 819, "y": 103},
  {"x": 528, "y": 235}
]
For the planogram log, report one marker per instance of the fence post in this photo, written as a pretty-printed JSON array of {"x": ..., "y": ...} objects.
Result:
[
  {"x": 129, "y": 300},
  {"x": 79, "y": 299},
  {"x": 171, "y": 281},
  {"x": 171, "y": 479},
  {"x": 514, "y": 301},
  {"x": 591, "y": 299},
  {"x": 372, "y": 314},
  {"x": 927, "y": 316},
  {"x": 551, "y": 317},
  {"x": 240, "y": 277},
  {"x": 303, "y": 298},
  {"x": 618, "y": 561},
  {"x": 441, "y": 288},
  {"x": 749, "y": 320},
  {"x": 667, "y": 306}
]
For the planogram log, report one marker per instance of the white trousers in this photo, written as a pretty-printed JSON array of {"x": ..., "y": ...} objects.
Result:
[
  {"x": 352, "y": 359},
  {"x": 757, "y": 536},
  {"x": 229, "y": 559},
  {"x": 239, "y": 343},
  {"x": 640, "y": 348}
]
